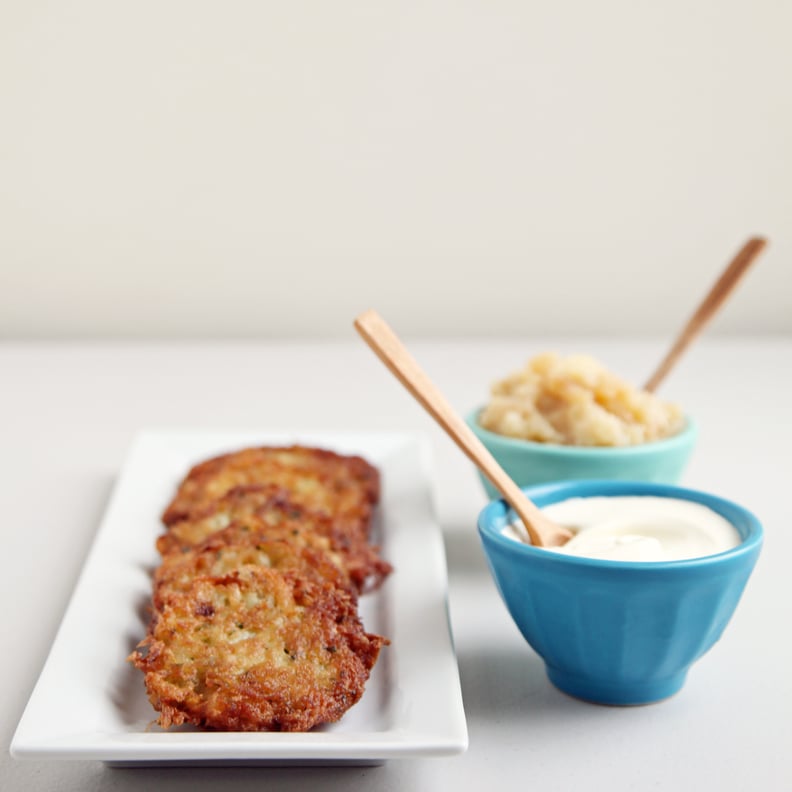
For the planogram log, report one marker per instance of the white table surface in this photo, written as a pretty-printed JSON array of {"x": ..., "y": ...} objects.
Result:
[{"x": 68, "y": 412}]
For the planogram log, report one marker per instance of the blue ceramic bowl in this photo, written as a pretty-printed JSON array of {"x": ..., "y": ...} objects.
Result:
[
  {"x": 618, "y": 632},
  {"x": 530, "y": 463}
]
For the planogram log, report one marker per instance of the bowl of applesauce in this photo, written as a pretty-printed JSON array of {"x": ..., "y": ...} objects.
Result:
[
  {"x": 562, "y": 418},
  {"x": 647, "y": 584}
]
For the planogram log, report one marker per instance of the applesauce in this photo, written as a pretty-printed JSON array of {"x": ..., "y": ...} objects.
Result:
[{"x": 575, "y": 400}]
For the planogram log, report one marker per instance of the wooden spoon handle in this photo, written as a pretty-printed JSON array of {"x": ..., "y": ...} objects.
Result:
[
  {"x": 379, "y": 336},
  {"x": 709, "y": 306}
]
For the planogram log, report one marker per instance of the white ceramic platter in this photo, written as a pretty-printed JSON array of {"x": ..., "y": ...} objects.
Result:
[{"x": 89, "y": 703}]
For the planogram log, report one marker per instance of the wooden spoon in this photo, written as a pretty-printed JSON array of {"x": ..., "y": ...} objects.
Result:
[
  {"x": 709, "y": 306},
  {"x": 390, "y": 350}
]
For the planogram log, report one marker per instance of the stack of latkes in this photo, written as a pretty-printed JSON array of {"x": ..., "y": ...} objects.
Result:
[{"x": 255, "y": 624}]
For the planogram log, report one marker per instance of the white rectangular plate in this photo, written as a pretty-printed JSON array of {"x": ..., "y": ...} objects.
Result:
[{"x": 89, "y": 703}]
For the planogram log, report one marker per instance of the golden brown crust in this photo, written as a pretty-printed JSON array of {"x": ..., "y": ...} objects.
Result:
[
  {"x": 267, "y": 512},
  {"x": 236, "y": 505},
  {"x": 237, "y": 548},
  {"x": 345, "y": 487},
  {"x": 259, "y": 649}
]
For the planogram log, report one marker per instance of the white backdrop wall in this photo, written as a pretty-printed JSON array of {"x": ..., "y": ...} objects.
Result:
[{"x": 187, "y": 168}]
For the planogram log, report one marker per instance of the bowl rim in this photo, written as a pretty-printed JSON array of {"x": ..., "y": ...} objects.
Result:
[
  {"x": 597, "y": 487},
  {"x": 686, "y": 435}
]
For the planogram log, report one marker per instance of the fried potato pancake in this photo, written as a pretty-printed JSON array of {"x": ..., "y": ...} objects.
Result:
[
  {"x": 237, "y": 548},
  {"x": 269, "y": 501},
  {"x": 267, "y": 512},
  {"x": 260, "y": 649},
  {"x": 345, "y": 487}
]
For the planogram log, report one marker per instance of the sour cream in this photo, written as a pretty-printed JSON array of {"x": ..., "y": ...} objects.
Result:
[{"x": 637, "y": 528}]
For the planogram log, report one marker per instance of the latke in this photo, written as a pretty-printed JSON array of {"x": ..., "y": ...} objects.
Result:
[
  {"x": 265, "y": 510},
  {"x": 256, "y": 650},
  {"x": 344, "y": 487},
  {"x": 237, "y": 548}
]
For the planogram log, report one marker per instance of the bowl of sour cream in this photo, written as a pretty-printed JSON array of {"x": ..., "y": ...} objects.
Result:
[{"x": 645, "y": 587}]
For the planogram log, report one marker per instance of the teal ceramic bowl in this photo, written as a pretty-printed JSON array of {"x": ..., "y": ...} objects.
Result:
[
  {"x": 529, "y": 463},
  {"x": 618, "y": 632}
]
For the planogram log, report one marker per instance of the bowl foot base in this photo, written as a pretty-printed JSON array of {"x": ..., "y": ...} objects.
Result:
[{"x": 622, "y": 694}]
